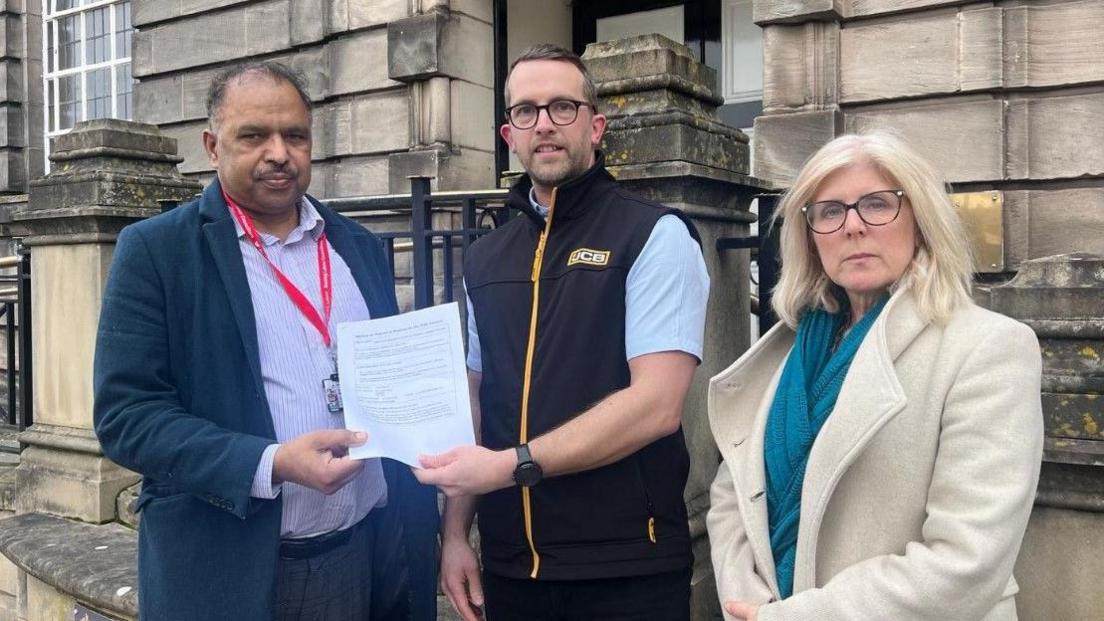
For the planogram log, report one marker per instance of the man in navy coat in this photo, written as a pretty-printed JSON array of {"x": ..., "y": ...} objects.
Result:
[{"x": 215, "y": 380}]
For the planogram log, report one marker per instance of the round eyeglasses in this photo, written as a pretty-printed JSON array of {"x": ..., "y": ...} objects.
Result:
[
  {"x": 560, "y": 112},
  {"x": 875, "y": 209}
]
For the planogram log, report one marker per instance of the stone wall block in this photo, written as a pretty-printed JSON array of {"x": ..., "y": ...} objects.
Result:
[
  {"x": 1042, "y": 223},
  {"x": 414, "y": 46},
  {"x": 359, "y": 63},
  {"x": 784, "y": 141},
  {"x": 377, "y": 122},
  {"x": 268, "y": 27},
  {"x": 253, "y": 29},
  {"x": 801, "y": 66},
  {"x": 467, "y": 48},
  {"x": 963, "y": 139},
  {"x": 188, "y": 137},
  {"x": 472, "y": 116},
  {"x": 427, "y": 162},
  {"x": 357, "y": 176},
  {"x": 345, "y": 15},
  {"x": 783, "y": 11},
  {"x": 921, "y": 55},
  {"x": 865, "y": 8},
  {"x": 482, "y": 10},
  {"x": 980, "y": 56},
  {"x": 308, "y": 21},
  {"x": 12, "y": 31},
  {"x": 1057, "y": 539},
  {"x": 1056, "y": 137},
  {"x": 432, "y": 100},
  {"x": 13, "y": 170},
  {"x": 11, "y": 126},
  {"x": 1055, "y": 44},
  {"x": 146, "y": 12},
  {"x": 440, "y": 43}
]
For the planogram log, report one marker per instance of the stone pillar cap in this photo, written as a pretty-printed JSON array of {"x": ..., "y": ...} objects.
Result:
[
  {"x": 1065, "y": 287},
  {"x": 629, "y": 65},
  {"x": 114, "y": 138}
]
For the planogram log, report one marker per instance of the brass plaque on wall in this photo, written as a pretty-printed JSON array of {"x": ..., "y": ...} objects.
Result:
[{"x": 983, "y": 215}]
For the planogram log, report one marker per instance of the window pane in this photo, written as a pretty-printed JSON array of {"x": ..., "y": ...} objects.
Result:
[
  {"x": 50, "y": 107},
  {"x": 49, "y": 26},
  {"x": 67, "y": 4},
  {"x": 69, "y": 39},
  {"x": 99, "y": 93},
  {"x": 96, "y": 36},
  {"x": 125, "y": 85},
  {"x": 69, "y": 100},
  {"x": 122, "y": 30}
]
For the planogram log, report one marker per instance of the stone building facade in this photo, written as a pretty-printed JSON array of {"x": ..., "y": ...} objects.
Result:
[
  {"x": 1005, "y": 95},
  {"x": 399, "y": 86}
]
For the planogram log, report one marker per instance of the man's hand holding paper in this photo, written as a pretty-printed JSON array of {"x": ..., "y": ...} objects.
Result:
[{"x": 404, "y": 382}]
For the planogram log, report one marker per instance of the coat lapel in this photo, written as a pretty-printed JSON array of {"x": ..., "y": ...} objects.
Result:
[
  {"x": 870, "y": 397},
  {"x": 739, "y": 402},
  {"x": 222, "y": 239},
  {"x": 349, "y": 243}
]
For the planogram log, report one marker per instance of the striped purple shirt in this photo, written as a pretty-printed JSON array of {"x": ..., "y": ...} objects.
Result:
[{"x": 294, "y": 361}]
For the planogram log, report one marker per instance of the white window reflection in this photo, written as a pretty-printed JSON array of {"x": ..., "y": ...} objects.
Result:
[{"x": 87, "y": 48}]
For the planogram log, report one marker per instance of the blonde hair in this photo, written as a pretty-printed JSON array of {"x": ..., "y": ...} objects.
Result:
[{"x": 941, "y": 270}]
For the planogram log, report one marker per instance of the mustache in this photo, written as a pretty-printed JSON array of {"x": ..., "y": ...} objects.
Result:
[{"x": 271, "y": 172}]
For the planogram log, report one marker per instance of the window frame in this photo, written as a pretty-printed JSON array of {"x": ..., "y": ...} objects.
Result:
[{"x": 52, "y": 75}]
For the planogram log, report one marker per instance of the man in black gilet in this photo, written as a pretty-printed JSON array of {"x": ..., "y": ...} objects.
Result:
[{"x": 585, "y": 324}]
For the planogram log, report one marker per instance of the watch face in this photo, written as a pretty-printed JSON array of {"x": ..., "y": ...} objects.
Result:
[{"x": 527, "y": 474}]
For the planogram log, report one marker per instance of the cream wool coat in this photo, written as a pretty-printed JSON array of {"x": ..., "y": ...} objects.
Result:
[{"x": 918, "y": 487}]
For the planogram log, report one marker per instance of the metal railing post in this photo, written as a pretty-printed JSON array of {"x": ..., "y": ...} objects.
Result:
[
  {"x": 26, "y": 360},
  {"x": 768, "y": 260},
  {"x": 423, "y": 246},
  {"x": 9, "y": 337}
]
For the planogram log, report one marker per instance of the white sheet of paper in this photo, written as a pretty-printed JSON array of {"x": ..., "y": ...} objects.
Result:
[{"x": 404, "y": 382}]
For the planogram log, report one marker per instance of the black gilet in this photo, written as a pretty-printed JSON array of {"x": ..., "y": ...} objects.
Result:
[{"x": 627, "y": 518}]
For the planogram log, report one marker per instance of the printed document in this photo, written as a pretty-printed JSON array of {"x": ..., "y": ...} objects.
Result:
[{"x": 404, "y": 382}]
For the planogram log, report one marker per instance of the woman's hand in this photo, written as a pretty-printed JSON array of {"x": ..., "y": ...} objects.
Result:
[{"x": 742, "y": 610}]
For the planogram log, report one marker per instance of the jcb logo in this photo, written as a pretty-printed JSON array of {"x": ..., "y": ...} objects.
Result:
[{"x": 589, "y": 256}]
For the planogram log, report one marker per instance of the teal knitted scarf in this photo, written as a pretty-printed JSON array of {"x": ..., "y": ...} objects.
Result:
[{"x": 806, "y": 394}]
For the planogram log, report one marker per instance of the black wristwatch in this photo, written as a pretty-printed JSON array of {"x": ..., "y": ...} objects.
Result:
[{"x": 528, "y": 472}]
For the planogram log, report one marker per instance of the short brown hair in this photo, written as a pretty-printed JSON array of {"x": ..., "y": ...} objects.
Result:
[{"x": 549, "y": 51}]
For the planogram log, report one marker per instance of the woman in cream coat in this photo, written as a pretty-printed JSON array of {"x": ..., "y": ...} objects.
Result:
[{"x": 913, "y": 481}]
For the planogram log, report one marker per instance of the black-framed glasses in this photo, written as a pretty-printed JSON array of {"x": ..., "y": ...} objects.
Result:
[
  {"x": 560, "y": 112},
  {"x": 876, "y": 209}
]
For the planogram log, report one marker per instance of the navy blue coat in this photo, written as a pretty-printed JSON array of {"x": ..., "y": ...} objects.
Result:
[{"x": 179, "y": 398}]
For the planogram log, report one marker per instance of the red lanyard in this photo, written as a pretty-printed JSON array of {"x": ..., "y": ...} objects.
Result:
[{"x": 325, "y": 278}]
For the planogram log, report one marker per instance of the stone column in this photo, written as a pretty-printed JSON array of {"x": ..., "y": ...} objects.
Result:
[
  {"x": 665, "y": 141},
  {"x": 801, "y": 58},
  {"x": 1060, "y": 297},
  {"x": 106, "y": 174}
]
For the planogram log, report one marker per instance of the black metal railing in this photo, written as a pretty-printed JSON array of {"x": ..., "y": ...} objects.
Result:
[
  {"x": 764, "y": 247},
  {"x": 474, "y": 209},
  {"x": 15, "y": 312}
]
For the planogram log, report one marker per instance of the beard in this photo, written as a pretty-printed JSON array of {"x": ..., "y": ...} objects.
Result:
[{"x": 554, "y": 173}]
